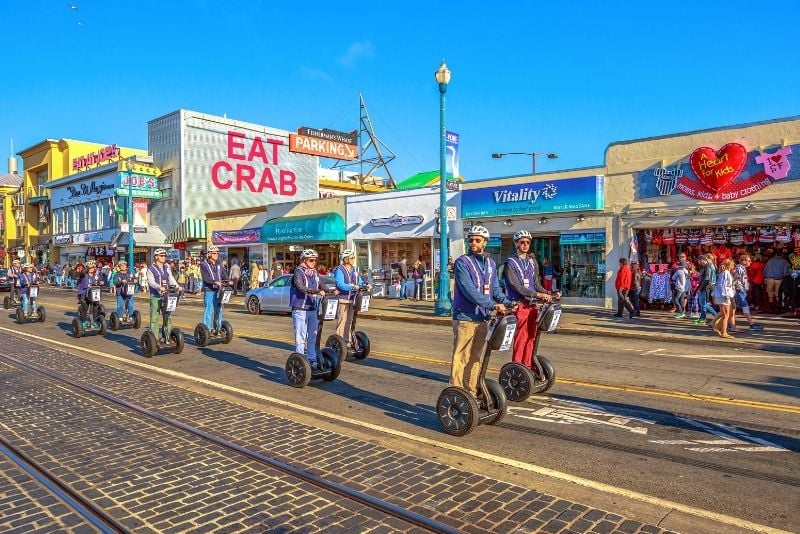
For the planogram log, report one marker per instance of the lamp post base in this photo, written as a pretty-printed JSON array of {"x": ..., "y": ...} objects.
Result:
[{"x": 443, "y": 308}]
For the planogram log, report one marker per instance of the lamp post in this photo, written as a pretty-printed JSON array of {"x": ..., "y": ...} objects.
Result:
[
  {"x": 129, "y": 166},
  {"x": 443, "y": 304},
  {"x": 550, "y": 155}
]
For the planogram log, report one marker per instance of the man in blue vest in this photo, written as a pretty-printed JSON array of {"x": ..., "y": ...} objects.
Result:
[
  {"x": 212, "y": 275},
  {"x": 14, "y": 272},
  {"x": 85, "y": 282},
  {"x": 477, "y": 294},
  {"x": 347, "y": 283},
  {"x": 159, "y": 280},
  {"x": 306, "y": 286},
  {"x": 523, "y": 284},
  {"x": 121, "y": 281},
  {"x": 27, "y": 279}
]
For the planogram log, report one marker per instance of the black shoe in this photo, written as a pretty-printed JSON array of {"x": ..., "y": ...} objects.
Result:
[{"x": 617, "y": 315}]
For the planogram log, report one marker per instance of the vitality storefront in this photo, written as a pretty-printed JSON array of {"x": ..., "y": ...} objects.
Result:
[
  {"x": 384, "y": 228},
  {"x": 566, "y": 217}
]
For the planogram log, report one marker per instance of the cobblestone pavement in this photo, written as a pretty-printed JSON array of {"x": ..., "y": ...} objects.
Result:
[{"x": 469, "y": 502}]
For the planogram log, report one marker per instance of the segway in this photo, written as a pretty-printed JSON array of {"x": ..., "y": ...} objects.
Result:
[
  {"x": 299, "y": 372},
  {"x": 32, "y": 316},
  {"x": 223, "y": 331},
  {"x": 94, "y": 315},
  {"x": 115, "y": 321},
  {"x": 458, "y": 411},
  {"x": 518, "y": 381},
  {"x": 13, "y": 299},
  {"x": 358, "y": 345},
  {"x": 151, "y": 344}
]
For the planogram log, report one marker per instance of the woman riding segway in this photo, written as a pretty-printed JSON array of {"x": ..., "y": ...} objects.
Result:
[
  {"x": 349, "y": 287},
  {"x": 29, "y": 291},
  {"x": 527, "y": 372},
  {"x": 125, "y": 289}
]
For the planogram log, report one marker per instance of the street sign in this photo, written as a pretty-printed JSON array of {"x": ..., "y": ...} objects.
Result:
[
  {"x": 124, "y": 227},
  {"x": 140, "y": 193}
]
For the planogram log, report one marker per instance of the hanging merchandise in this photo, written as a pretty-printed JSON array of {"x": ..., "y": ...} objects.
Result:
[
  {"x": 736, "y": 237},
  {"x": 766, "y": 235},
  {"x": 668, "y": 237},
  {"x": 719, "y": 237},
  {"x": 680, "y": 237},
  {"x": 783, "y": 234},
  {"x": 634, "y": 255},
  {"x": 796, "y": 237},
  {"x": 750, "y": 236},
  {"x": 708, "y": 237},
  {"x": 695, "y": 234}
]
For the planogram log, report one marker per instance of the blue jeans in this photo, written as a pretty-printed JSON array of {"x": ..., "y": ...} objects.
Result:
[
  {"x": 678, "y": 298},
  {"x": 121, "y": 301},
  {"x": 702, "y": 296},
  {"x": 210, "y": 306},
  {"x": 418, "y": 284},
  {"x": 306, "y": 324},
  {"x": 403, "y": 292},
  {"x": 26, "y": 303}
]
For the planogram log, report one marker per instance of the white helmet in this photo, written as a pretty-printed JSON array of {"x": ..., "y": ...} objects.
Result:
[
  {"x": 212, "y": 248},
  {"x": 309, "y": 253},
  {"x": 159, "y": 251},
  {"x": 522, "y": 234},
  {"x": 479, "y": 230},
  {"x": 347, "y": 253}
]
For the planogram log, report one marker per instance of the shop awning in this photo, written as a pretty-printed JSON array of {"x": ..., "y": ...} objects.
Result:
[
  {"x": 687, "y": 221},
  {"x": 314, "y": 229},
  {"x": 188, "y": 229},
  {"x": 152, "y": 237}
]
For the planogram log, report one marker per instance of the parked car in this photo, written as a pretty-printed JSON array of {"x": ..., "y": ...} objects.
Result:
[
  {"x": 275, "y": 297},
  {"x": 5, "y": 284}
]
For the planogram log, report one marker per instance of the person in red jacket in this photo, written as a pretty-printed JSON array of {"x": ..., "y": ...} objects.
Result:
[
  {"x": 623, "y": 284},
  {"x": 755, "y": 273}
]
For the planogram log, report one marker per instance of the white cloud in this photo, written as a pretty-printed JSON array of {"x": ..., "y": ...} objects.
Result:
[
  {"x": 315, "y": 74},
  {"x": 355, "y": 52}
]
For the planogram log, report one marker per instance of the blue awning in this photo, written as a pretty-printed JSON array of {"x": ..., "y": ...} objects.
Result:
[{"x": 320, "y": 228}]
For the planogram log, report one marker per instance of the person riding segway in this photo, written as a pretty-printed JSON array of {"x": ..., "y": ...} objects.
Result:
[
  {"x": 352, "y": 300},
  {"x": 164, "y": 295},
  {"x": 91, "y": 313},
  {"x": 125, "y": 289},
  {"x": 527, "y": 372},
  {"x": 309, "y": 307},
  {"x": 29, "y": 290},
  {"x": 13, "y": 298},
  {"x": 216, "y": 294},
  {"x": 471, "y": 398}
]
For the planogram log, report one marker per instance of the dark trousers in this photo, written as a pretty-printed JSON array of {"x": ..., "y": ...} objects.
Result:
[
  {"x": 634, "y": 295},
  {"x": 624, "y": 302}
]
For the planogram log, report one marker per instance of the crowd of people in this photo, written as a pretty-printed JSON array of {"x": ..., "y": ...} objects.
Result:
[{"x": 710, "y": 290}]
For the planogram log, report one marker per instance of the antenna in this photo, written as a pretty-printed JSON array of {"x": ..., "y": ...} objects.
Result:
[
  {"x": 372, "y": 152},
  {"x": 12, "y": 160}
]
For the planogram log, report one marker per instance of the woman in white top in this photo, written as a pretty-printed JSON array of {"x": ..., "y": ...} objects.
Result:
[{"x": 723, "y": 294}]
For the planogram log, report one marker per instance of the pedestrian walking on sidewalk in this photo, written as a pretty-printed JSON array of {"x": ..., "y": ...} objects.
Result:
[
  {"x": 680, "y": 281},
  {"x": 636, "y": 287},
  {"x": 741, "y": 284},
  {"x": 708, "y": 281},
  {"x": 623, "y": 284},
  {"x": 402, "y": 274},
  {"x": 418, "y": 274},
  {"x": 724, "y": 294}
]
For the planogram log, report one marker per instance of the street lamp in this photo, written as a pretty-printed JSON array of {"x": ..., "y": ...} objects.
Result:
[
  {"x": 129, "y": 165},
  {"x": 443, "y": 304},
  {"x": 550, "y": 155}
]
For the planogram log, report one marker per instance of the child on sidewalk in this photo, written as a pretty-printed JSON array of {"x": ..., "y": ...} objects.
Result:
[{"x": 694, "y": 298}]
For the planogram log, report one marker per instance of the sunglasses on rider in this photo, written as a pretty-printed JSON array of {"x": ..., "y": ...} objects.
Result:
[{"x": 475, "y": 240}]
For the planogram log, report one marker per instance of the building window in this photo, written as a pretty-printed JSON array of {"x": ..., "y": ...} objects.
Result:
[
  {"x": 75, "y": 219},
  {"x": 100, "y": 210},
  {"x": 86, "y": 218},
  {"x": 41, "y": 179}
]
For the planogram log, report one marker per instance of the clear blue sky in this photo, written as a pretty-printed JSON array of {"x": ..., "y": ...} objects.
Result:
[{"x": 568, "y": 77}]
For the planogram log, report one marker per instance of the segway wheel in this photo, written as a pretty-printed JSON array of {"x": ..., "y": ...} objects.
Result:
[
  {"x": 201, "y": 335},
  {"x": 149, "y": 344},
  {"x": 101, "y": 310},
  {"x": 338, "y": 345},
  {"x": 77, "y": 328},
  {"x": 113, "y": 321},
  {"x": 6, "y": 303},
  {"x": 176, "y": 337},
  {"x": 102, "y": 325},
  {"x": 363, "y": 345},
  {"x": 20, "y": 316},
  {"x": 543, "y": 383},
  {"x": 227, "y": 332},
  {"x": 457, "y": 411},
  {"x": 332, "y": 362},
  {"x": 137, "y": 320},
  {"x": 298, "y": 371},
  {"x": 498, "y": 400},
  {"x": 517, "y": 381},
  {"x": 42, "y": 314}
]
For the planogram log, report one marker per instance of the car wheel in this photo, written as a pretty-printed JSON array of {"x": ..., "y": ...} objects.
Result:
[{"x": 253, "y": 306}]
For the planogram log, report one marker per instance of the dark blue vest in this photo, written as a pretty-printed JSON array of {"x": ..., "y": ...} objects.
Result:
[
  {"x": 479, "y": 277},
  {"x": 350, "y": 278},
  {"x": 300, "y": 300},
  {"x": 162, "y": 278},
  {"x": 525, "y": 271}
]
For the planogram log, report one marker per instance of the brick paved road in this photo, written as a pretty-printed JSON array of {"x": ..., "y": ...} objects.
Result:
[{"x": 472, "y": 503}]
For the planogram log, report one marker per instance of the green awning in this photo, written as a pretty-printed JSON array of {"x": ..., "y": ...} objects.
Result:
[
  {"x": 320, "y": 228},
  {"x": 424, "y": 179},
  {"x": 188, "y": 229}
]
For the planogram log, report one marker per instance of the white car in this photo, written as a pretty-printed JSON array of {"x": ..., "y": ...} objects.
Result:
[{"x": 275, "y": 297}]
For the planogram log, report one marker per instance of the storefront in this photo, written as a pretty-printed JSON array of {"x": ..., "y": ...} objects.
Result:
[
  {"x": 237, "y": 234},
  {"x": 384, "y": 228},
  {"x": 566, "y": 219}
]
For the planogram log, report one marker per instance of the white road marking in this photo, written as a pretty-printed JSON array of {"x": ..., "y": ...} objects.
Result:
[
  {"x": 525, "y": 466},
  {"x": 576, "y": 414},
  {"x": 732, "y": 439},
  {"x": 654, "y": 351}
]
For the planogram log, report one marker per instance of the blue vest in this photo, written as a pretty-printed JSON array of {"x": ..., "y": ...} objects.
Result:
[
  {"x": 350, "y": 278},
  {"x": 300, "y": 300},
  {"x": 214, "y": 270},
  {"x": 121, "y": 280},
  {"x": 87, "y": 281},
  {"x": 27, "y": 280},
  {"x": 479, "y": 277},
  {"x": 525, "y": 270},
  {"x": 162, "y": 278}
]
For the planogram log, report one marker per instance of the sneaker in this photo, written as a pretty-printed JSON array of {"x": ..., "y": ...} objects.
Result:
[
  {"x": 699, "y": 321},
  {"x": 679, "y": 316},
  {"x": 756, "y": 326},
  {"x": 694, "y": 316}
]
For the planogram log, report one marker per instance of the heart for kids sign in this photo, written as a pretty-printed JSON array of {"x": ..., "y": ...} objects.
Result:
[{"x": 716, "y": 173}]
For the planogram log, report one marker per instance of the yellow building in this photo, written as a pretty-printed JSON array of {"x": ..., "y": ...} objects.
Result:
[
  {"x": 46, "y": 161},
  {"x": 9, "y": 188}
]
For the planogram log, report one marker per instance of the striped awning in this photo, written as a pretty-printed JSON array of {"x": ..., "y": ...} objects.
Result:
[{"x": 189, "y": 229}]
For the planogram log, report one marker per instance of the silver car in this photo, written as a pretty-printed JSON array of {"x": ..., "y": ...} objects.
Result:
[{"x": 275, "y": 297}]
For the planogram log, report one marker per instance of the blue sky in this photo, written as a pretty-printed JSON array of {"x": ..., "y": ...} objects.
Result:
[{"x": 568, "y": 77}]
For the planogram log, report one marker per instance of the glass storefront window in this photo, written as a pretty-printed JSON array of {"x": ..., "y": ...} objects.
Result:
[{"x": 583, "y": 265}]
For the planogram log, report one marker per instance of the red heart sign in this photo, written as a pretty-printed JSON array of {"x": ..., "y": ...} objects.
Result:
[{"x": 717, "y": 169}]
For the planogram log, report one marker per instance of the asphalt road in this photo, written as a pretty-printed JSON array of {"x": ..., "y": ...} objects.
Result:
[{"x": 715, "y": 430}]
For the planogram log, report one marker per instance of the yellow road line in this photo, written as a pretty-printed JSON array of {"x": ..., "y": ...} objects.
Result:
[
  {"x": 787, "y": 408},
  {"x": 525, "y": 466}
]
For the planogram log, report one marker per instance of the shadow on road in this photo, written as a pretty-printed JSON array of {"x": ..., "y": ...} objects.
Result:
[
  {"x": 281, "y": 345},
  {"x": 776, "y": 384},
  {"x": 266, "y": 371},
  {"x": 400, "y": 368}
]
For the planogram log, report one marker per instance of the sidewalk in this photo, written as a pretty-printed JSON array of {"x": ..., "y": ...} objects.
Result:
[{"x": 780, "y": 334}]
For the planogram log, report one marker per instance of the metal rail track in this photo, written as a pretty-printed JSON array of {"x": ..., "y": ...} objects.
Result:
[
  {"x": 81, "y": 505},
  {"x": 390, "y": 509}
]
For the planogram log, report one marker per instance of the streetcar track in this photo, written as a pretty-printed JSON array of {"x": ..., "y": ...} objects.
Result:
[
  {"x": 73, "y": 499},
  {"x": 412, "y": 518}
]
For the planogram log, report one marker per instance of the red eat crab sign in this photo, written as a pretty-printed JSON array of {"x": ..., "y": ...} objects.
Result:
[{"x": 717, "y": 171}]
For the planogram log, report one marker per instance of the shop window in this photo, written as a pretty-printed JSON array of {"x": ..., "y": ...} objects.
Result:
[
  {"x": 583, "y": 265},
  {"x": 362, "y": 254}
]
